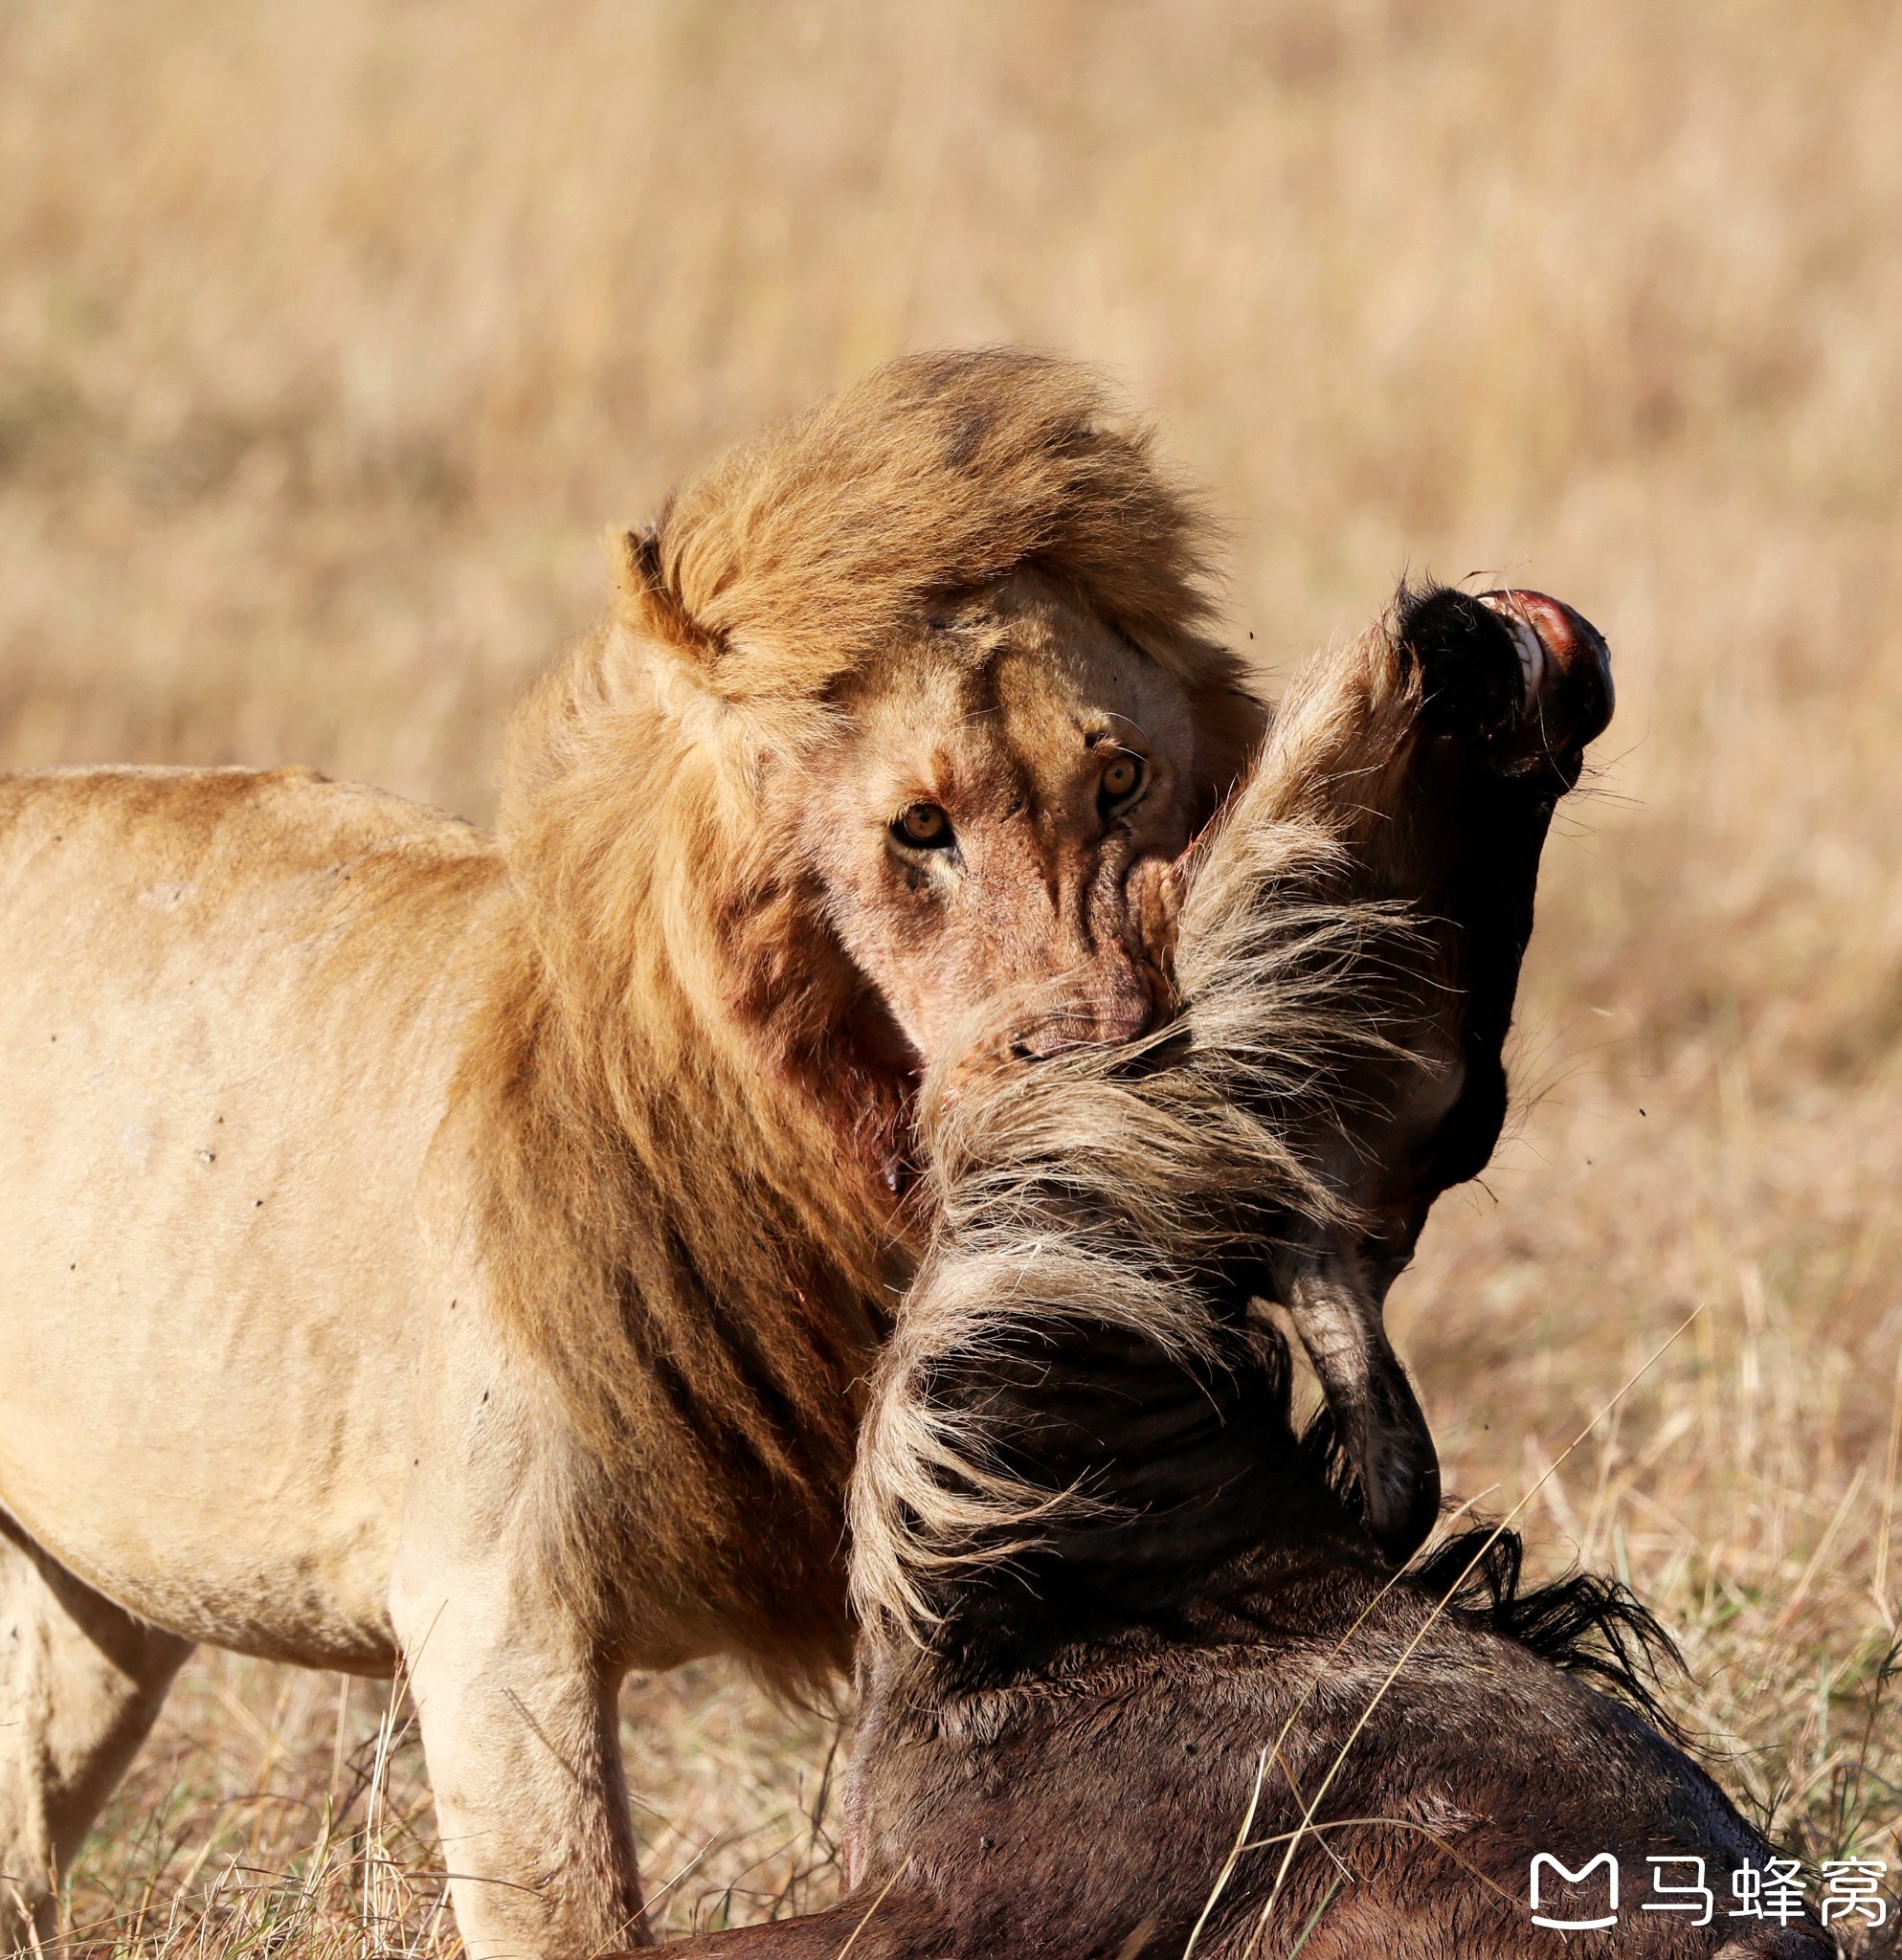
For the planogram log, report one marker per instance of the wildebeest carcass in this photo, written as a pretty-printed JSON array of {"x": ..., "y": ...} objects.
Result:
[{"x": 1137, "y": 1673}]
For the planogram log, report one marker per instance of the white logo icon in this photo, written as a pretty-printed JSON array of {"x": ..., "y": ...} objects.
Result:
[{"x": 1577, "y": 1878}]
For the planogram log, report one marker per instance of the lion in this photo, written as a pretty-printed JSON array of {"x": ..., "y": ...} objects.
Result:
[{"x": 463, "y": 1254}]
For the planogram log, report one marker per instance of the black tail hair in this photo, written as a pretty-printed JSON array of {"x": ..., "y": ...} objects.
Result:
[{"x": 1584, "y": 1622}]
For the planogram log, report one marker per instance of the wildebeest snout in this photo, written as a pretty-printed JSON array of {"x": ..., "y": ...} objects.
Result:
[
  {"x": 1564, "y": 661},
  {"x": 1522, "y": 672}
]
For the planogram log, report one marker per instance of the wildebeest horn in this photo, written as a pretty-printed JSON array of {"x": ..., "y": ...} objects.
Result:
[{"x": 1383, "y": 1428}]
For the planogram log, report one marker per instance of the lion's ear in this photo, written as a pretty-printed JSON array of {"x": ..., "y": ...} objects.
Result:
[{"x": 646, "y": 599}]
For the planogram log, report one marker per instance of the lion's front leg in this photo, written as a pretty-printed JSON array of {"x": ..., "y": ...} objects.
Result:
[
  {"x": 519, "y": 1731},
  {"x": 516, "y": 1699}
]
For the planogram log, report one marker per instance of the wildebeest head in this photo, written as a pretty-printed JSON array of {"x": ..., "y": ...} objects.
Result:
[{"x": 1473, "y": 722}]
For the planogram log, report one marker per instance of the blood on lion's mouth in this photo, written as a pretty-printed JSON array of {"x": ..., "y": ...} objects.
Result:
[
  {"x": 1000, "y": 1036},
  {"x": 1063, "y": 1033}
]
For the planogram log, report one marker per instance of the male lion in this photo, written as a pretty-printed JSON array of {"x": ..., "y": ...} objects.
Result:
[{"x": 465, "y": 1252}]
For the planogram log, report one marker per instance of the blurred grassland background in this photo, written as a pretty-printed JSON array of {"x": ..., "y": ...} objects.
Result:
[{"x": 331, "y": 337}]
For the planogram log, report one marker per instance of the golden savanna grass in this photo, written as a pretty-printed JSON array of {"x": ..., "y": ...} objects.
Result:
[{"x": 331, "y": 337}]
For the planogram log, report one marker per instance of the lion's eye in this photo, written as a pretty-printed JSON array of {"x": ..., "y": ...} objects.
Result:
[
  {"x": 925, "y": 827},
  {"x": 1123, "y": 778}
]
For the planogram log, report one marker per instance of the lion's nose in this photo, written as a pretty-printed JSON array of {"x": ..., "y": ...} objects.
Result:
[{"x": 1087, "y": 1023}]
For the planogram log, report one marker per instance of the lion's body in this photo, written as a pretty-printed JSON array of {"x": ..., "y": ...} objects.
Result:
[
  {"x": 256, "y": 1386},
  {"x": 462, "y": 1252},
  {"x": 266, "y": 1380},
  {"x": 227, "y": 1037}
]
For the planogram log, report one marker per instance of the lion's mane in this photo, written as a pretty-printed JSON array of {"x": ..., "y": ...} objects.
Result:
[{"x": 678, "y": 1115}]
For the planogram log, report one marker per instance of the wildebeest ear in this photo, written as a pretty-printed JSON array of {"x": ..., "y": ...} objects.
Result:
[{"x": 1376, "y": 1414}]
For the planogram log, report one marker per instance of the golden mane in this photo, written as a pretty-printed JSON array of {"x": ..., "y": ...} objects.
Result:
[
  {"x": 686, "y": 1229},
  {"x": 799, "y": 554}
]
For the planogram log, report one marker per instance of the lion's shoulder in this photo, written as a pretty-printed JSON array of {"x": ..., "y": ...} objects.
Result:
[
  {"x": 284, "y": 844},
  {"x": 288, "y": 817}
]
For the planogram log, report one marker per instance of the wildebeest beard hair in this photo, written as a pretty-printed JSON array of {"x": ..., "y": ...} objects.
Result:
[
  {"x": 1082, "y": 1427},
  {"x": 1177, "y": 1497}
]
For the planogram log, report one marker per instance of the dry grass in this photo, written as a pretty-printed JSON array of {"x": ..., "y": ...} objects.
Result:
[
  {"x": 330, "y": 336},
  {"x": 286, "y": 1813}
]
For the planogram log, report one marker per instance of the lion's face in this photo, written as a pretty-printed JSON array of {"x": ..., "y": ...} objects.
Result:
[{"x": 995, "y": 834}]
